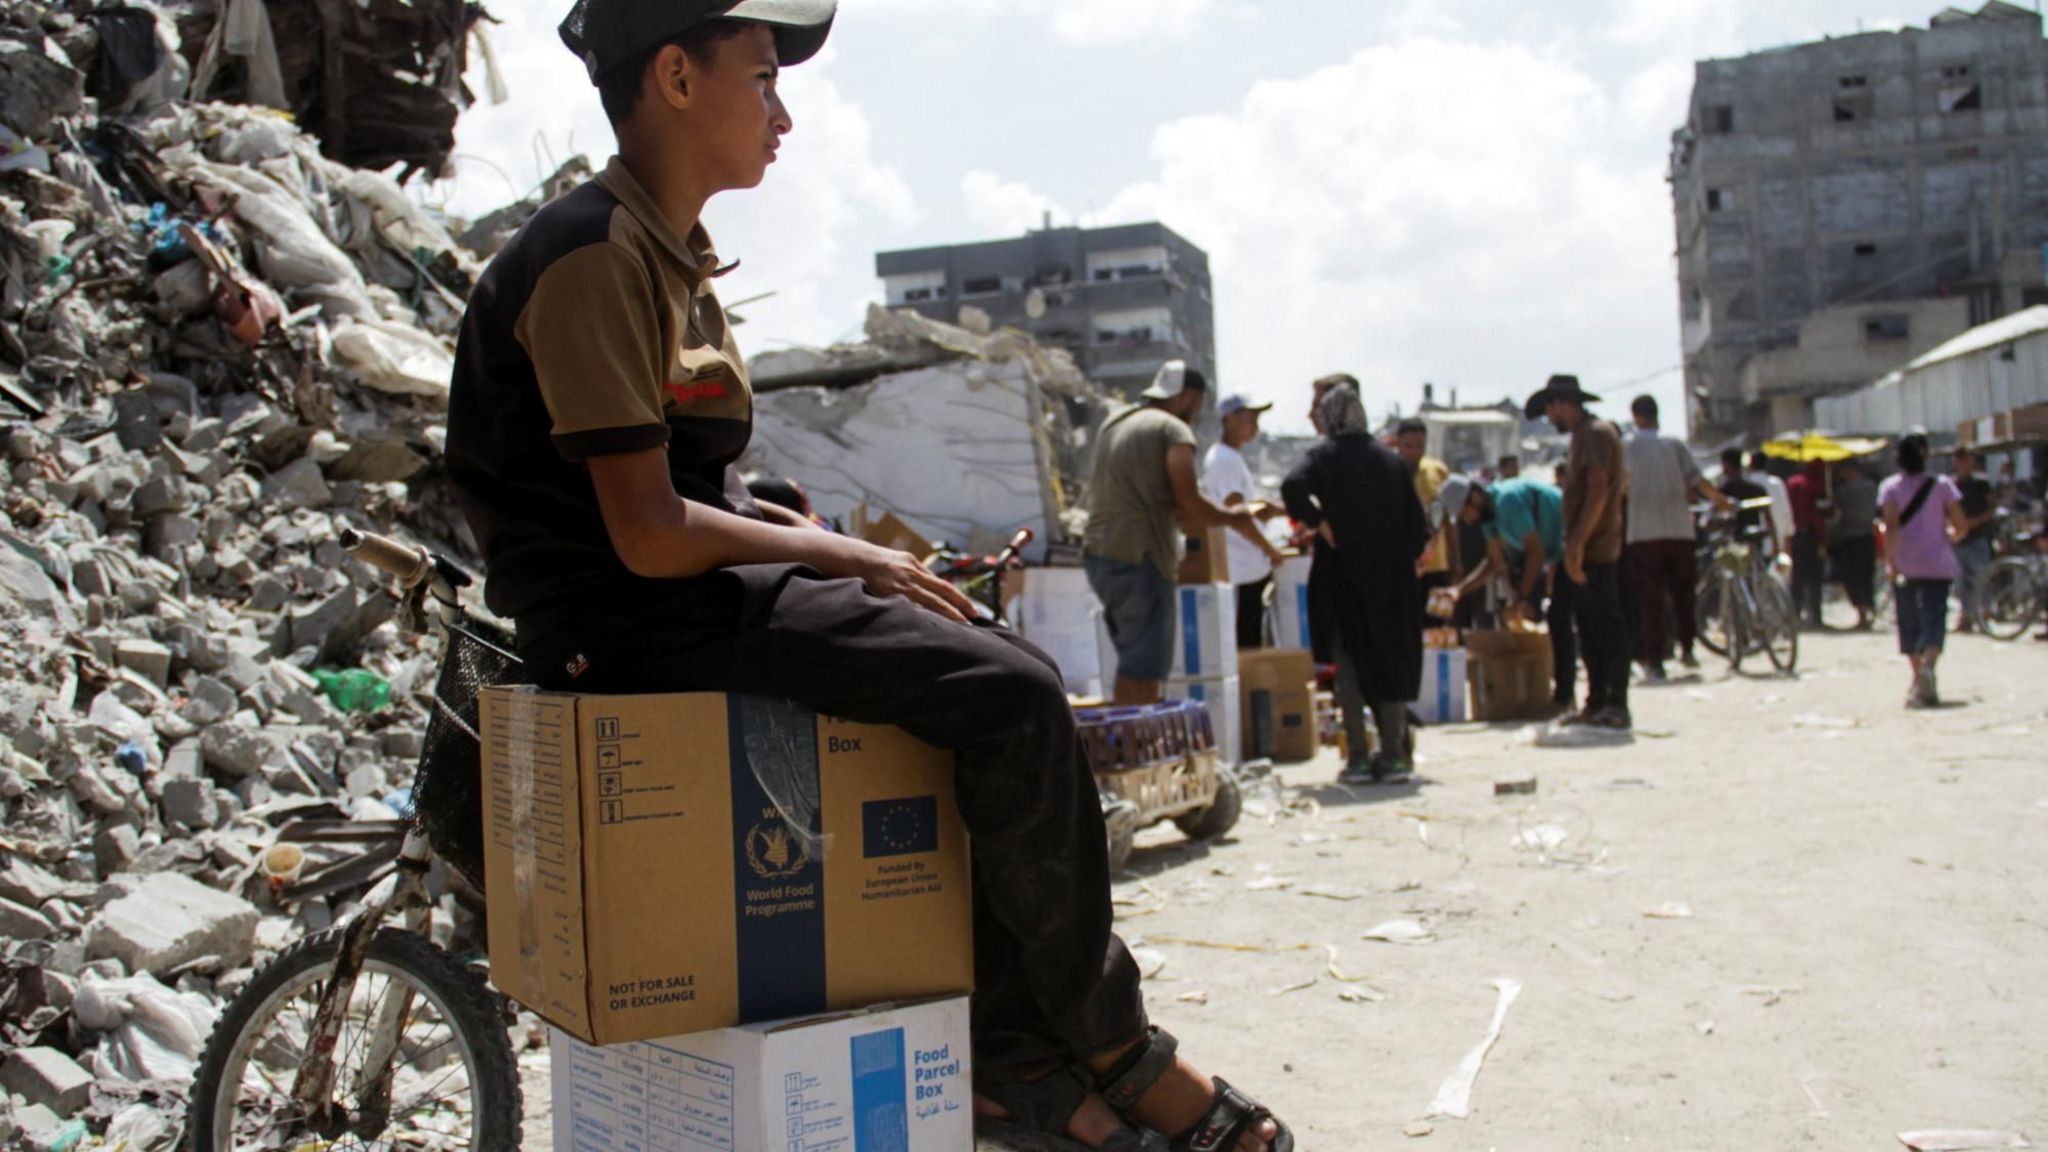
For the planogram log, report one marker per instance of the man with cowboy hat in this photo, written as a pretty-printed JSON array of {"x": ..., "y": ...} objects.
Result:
[{"x": 1595, "y": 488}]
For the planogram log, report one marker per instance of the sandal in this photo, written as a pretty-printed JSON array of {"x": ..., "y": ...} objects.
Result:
[
  {"x": 1231, "y": 1114},
  {"x": 1048, "y": 1106}
]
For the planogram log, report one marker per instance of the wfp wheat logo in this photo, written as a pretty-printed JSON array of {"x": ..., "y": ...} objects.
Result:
[{"x": 774, "y": 852}]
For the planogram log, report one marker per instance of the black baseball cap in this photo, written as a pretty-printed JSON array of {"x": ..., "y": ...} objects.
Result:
[{"x": 608, "y": 33}]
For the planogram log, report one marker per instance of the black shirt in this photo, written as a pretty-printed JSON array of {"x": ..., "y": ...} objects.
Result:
[
  {"x": 594, "y": 332},
  {"x": 1741, "y": 490},
  {"x": 1977, "y": 500}
]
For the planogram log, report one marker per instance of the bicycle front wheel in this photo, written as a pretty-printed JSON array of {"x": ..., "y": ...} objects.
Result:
[
  {"x": 452, "y": 1084},
  {"x": 1778, "y": 624},
  {"x": 2008, "y": 598},
  {"x": 1737, "y": 627},
  {"x": 1713, "y": 622}
]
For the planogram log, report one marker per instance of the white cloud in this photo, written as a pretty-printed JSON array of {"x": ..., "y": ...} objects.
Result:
[
  {"x": 1424, "y": 18},
  {"x": 1107, "y": 21},
  {"x": 1431, "y": 210},
  {"x": 1002, "y": 207},
  {"x": 1081, "y": 21}
]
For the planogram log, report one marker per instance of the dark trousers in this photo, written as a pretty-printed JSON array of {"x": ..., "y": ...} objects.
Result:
[
  {"x": 1595, "y": 607},
  {"x": 1562, "y": 618},
  {"x": 1251, "y": 614},
  {"x": 1667, "y": 577},
  {"x": 1809, "y": 576},
  {"x": 1855, "y": 561},
  {"x": 1053, "y": 984}
]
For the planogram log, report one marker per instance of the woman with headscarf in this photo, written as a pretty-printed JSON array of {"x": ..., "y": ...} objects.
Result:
[{"x": 1365, "y": 599}]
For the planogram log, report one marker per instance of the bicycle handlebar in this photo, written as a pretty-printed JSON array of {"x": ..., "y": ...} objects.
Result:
[{"x": 410, "y": 566}]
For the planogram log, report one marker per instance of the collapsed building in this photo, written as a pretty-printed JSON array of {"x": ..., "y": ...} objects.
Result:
[{"x": 966, "y": 434}]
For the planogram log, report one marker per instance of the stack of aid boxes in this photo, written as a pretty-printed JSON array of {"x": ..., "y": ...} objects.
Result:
[
  {"x": 1204, "y": 659},
  {"x": 1056, "y": 609},
  {"x": 749, "y": 925}
]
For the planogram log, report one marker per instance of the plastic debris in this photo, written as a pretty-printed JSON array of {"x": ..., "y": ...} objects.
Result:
[
  {"x": 1454, "y": 1099},
  {"x": 1960, "y": 1140},
  {"x": 1829, "y": 723},
  {"x": 1226, "y": 946},
  {"x": 1516, "y": 786},
  {"x": 148, "y": 1032},
  {"x": 1579, "y": 736},
  {"x": 1417, "y": 1128},
  {"x": 1542, "y": 838},
  {"x": 354, "y": 690},
  {"x": 1193, "y": 998},
  {"x": 1401, "y": 932},
  {"x": 1151, "y": 962},
  {"x": 1329, "y": 892},
  {"x": 1670, "y": 910}
]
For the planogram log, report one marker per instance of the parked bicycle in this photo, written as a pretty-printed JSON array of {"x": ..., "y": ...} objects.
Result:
[
  {"x": 981, "y": 577},
  {"x": 1745, "y": 606},
  {"x": 2013, "y": 593},
  {"x": 370, "y": 1035}
]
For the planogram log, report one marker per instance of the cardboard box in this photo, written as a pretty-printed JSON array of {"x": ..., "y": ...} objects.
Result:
[
  {"x": 1056, "y": 609},
  {"x": 889, "y": 531},
  {"x": 1443, "y": 686},
  {"x": 1207, "y": 559},
  {"x": 1276, "y": 687},
  {"x": 1509, "y": 674},
  {"x": 642, "y": 882},
  {"x": 1290, "y": 603},
  {"x": 1205, "y": 635},
  {"x": 894, "y": 1077},
  {"x": 1224, "y": 698}
]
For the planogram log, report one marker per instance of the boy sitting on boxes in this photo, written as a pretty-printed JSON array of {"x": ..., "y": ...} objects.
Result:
[{"x": 599, "y": 404}]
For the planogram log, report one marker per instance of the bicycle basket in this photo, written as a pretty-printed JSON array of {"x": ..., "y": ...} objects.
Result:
[{"x": 447, "y": 788}]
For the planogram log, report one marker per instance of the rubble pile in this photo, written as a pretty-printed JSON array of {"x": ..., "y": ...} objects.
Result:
[
  {"x": 218, "y": 348},
  {"x": 966, "y": 432}
]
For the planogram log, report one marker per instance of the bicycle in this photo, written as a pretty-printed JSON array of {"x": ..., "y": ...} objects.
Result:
[
  {"x": 368, "y": 1035},
  {"x": 1745, "y": 606},
  {"x": 2012, "y": 595}
]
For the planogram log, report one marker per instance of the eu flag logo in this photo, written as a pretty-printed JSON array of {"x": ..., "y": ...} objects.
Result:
[{"x": 899, "y": 827}]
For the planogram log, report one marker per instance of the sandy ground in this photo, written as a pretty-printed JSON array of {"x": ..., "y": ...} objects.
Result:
[{"x": 1798, "y": 916}]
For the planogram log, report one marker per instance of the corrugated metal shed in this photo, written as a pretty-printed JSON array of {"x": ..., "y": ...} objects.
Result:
[{"x": 1990, "y": 369}]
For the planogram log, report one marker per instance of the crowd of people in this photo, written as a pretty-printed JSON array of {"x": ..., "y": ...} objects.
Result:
[{"x": 1608, "y": 557}]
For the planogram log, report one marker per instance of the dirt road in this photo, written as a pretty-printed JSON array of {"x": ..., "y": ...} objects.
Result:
[{"x": 1798, "y": 916}]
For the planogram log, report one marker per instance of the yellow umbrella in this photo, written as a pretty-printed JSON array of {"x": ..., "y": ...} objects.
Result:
[{"x": 1820, "y": 446}]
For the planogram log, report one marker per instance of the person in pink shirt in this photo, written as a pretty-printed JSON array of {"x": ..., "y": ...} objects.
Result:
[{"x": 1923, "y": 518}]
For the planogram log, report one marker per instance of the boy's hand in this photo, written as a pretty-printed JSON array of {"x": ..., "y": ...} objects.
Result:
[{"x": 887, "y": 573}]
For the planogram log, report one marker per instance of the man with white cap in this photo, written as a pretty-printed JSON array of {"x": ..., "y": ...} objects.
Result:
[
  {"x": 598, "y": 407},
  {"x": 1228, "y": 480},
  {"x": 1143, "y": 496}
]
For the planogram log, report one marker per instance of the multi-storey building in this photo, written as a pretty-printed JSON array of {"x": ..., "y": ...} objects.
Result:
[
  {"x": 1845, "y": 206},
  {"x": 1123, "y": 300}
]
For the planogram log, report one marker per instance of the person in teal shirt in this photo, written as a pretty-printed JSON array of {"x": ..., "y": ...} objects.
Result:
[{"x": 1523, "y": 522}]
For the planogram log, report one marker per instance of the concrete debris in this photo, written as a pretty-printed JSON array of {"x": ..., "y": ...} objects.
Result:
[
  {"x": 965, "y": 436},
  {"x": 48, "y": 1077},
  {"x": 167, "y": 920},
  {"x": 220, "y": 346}
]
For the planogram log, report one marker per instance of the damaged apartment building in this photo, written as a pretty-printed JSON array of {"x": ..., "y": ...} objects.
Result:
[
  {"x": 1847, "y": 205},
  {"x": 1120, "y": 300}
]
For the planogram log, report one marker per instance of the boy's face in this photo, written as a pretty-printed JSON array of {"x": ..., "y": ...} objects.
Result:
[
  {"x": 1413, "y": 445},
  {"x": 735, "y": 115}
]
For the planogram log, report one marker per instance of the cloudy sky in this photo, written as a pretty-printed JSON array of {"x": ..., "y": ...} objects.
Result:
[{"x": 1469, "y": 192}]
